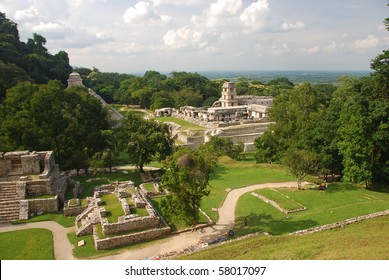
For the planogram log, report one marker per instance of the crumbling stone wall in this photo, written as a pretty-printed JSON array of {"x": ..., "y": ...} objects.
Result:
[
  {"x": 43, "y": 205},
  {"x": 117, "y": 241},
  {"x": 341, "y": 224},
  {"x": 131, "y": 224},
  {"x": 38, "y": 187}
]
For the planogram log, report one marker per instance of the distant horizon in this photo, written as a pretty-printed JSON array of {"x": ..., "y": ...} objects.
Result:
[{"x": 199, "y": 36}]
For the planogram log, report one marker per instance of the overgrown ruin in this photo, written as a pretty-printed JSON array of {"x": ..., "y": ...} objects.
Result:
[{"x": 30, "y": 184}]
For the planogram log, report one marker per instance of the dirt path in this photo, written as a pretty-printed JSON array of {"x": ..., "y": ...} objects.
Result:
[{"x": 63, "y": 248}]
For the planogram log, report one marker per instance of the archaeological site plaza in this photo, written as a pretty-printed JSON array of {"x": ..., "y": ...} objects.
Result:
[{"x": 243, "y": 118}]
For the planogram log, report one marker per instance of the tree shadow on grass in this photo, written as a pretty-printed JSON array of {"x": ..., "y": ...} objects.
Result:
[
  {"x": 340, "y": 187},
  {"x": 258, "y": 223},
  {"x": 219, "y": 172}
]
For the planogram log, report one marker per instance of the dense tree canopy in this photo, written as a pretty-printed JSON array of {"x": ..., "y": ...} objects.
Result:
[
  {"x": 50, "y": 117},
  {"x": 346, "y": 129},
  {"x": 145, "y": 140},
  {"x": 28, "y": 61}
]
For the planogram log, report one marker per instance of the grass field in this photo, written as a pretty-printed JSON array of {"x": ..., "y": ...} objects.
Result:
[
  {"x": 366, "y": 240},
  {"x": 29, "y": 244},
  {"x": 339, "y": 202},
  {"x": 282, "y": 200},
  {"x": 235, "y": 174},
  {"x": 55, "y": 217},
  {"x": 113, "y": 207},
  {"x": 105, "y": 178}
]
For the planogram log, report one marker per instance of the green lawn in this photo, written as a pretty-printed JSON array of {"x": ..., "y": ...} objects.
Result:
[
  {"x": 149, "y": 187},
  {"x": 29, "y": 244},
  {"x": 232, "y": 174},
  {"x": 339, "y": 202},
  {"x": 102, "y": 179},
  {"x": 184, "y": 124},
  {"x": 281, "y": 199},
  {"x": 113, "y": 207},
  {"x": 56, "y": 217},
  {"x": 366, "y": 240}
]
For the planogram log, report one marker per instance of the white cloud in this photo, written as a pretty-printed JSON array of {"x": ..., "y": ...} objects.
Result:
[
  {"x": 370, "y": 41},
  {"x": 254, "y": 16},
  {"x": 280, "y": 50},
  {"x": 218, "y": 14},
  {"x": 184, "y": 38},
  {"x": 143, "y": 13},
  {"x": 334, "y": 47},
  {"x": 25, "y": 15},
  {"x": 176, "y": 2},
  {"x": 292, "y": 26},
  {"x": 49, "y": 27},
  {"x": 311, "y": 50},
  {"x": 225, "y": 8}
]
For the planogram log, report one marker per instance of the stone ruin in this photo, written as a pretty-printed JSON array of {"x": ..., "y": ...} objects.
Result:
[
  {"x": 76, "y": 80},
  {"x": 243, "y": 118},
  {"x": 130, "y": 228},
  {"x": 26, "y": 177}
]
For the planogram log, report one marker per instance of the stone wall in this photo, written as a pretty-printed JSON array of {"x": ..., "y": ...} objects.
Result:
[
  {"x": 341, "y": 224},
  {"x": 117, "y": 241},
  {"x": 191, "y": 140},
  {"x": 44, "y": 205},
  {"x": 74, "y": 211},
  {"x": 128, "y": 225},
  {"x": 23, "y": 210},
  {"x": 38, "y": 187}
]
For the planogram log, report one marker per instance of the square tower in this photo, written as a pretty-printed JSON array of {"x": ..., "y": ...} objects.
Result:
[{"x": 229, "y": 96}]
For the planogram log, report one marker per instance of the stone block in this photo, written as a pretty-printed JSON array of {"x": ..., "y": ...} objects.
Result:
[{"x": 81, "y": 243}]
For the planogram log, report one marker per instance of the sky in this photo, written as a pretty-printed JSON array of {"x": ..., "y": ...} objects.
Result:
[{"x": 207, "y": 35}]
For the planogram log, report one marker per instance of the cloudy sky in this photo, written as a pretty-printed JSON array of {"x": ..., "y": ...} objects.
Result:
[{"x": 194, "y": 35}]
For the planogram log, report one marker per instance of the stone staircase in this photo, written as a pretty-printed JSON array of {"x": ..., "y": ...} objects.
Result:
[
  {"x": 86, "y": 220},
  {"x": 9, "y": 203}
]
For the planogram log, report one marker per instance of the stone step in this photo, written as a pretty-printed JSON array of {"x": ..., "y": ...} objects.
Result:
[
  {"x": 10, "y": 206},
  {"x": 7, "y": 193},
  {"x": 10, "y": 202},
  {"x": 13, "y": 199},
  {"x": 9, "y": 219},
  {"x": 5, "y": 213}
]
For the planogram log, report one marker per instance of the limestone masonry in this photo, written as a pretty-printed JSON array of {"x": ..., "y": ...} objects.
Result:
[
  {"x": 243, "y": 118},
  {"x": 30, "y": 184}
]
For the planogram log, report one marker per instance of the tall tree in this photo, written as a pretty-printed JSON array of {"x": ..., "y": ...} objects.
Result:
[
  {"x": 145, "y": 140},
  {"x": 186, "y": 179}
]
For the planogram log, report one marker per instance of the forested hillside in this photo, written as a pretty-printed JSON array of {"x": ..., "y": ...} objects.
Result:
[
  {"x": 30, "y": 61},
  {"x": 328, "y": 130}
]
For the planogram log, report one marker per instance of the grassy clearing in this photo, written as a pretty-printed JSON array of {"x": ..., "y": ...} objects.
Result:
[
  {"x": 113, "y": 207},
  {"x": 236, "y": 174},
  {"x": 366, "y": 240},
  {"x": 184, "y": 124},
  {"x": 29, "y": 244},
  {"x": 149, "y": 187},
  {"x": 282, "y": 200},
  {"x": 55, "y": 217},
  {"x": 339, "y": 202},
  {"x": 102, "y": 179}
]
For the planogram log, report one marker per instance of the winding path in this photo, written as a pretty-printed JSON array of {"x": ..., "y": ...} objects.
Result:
[{"x": 63, "y": 248}]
